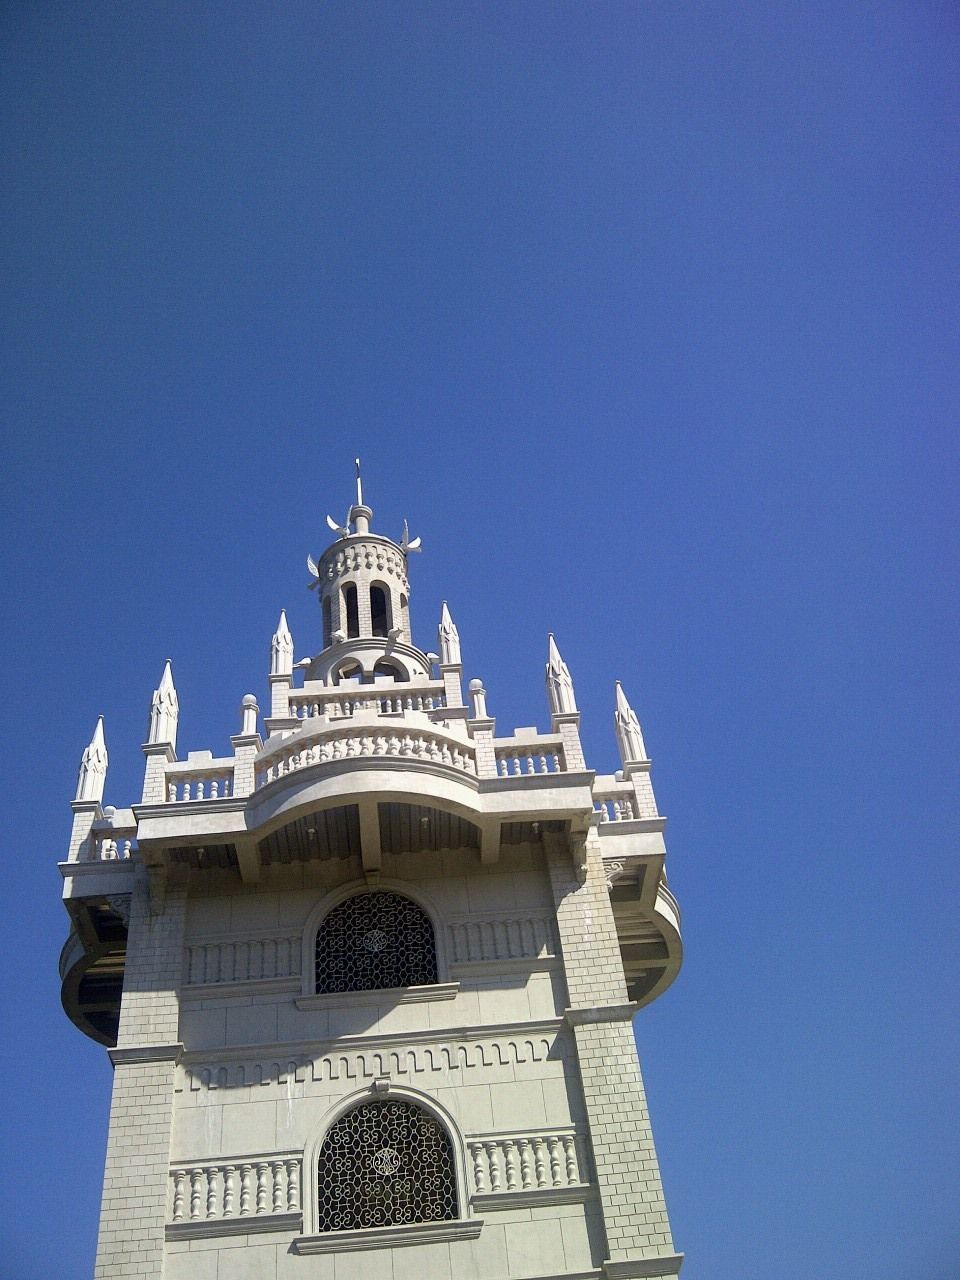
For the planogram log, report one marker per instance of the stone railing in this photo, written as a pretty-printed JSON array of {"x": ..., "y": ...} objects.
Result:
[
  {"x": 199, "y": 782},
  {"x": 346, "y": 701},
  {"x": 544, "y": 755},
  {"x": 549, "y": 1160},
  {"x": 616, "y": 804},
  {"x": 253, "y": 1187},
  {"x": 506, "y": 938},
  {"x": 386, "y": 741},
  {"x": 112, "y": 846},
  {"x": 276, "y": 955}
]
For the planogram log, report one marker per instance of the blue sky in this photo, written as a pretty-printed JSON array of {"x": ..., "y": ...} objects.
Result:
[{"x": 645, "y": 315}]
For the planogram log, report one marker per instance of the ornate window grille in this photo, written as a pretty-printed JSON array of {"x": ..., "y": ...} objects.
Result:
[
  {"x": 374, "y": 941},
  {"x": 383, "y": 1164}
]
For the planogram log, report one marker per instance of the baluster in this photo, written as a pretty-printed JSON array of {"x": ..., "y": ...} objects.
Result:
[
  {"x": 570, "y": 1159},
  {"x": 553, "y": 1146},
  {"x": 502, "y": 765},
  {"x": 293, "y": 1185},
  {"x": 556, "y": 762},
  {"x": 531, "y": 764},
  {"x": 246, "y": 1171},
  {"x": 196, "y": 1192},
  {"x": 212, "y": 1171},
  {"x": 179, "y": 1188},
  {"x": 171, "y": 792},
  {"x": 494, "y": 1166},
  {"x": 476, "y": 1150},
  {"x": 262, "y": 1170},
  {"x": 510, "y": 1163},
  {"x": 229, "y": 1183},
  {"x": 215, "y": 788},
  {"x": 540, "y": 1164},
  {"x": 278, "y": 1186},
  {"x": 526, "y": 1164}
]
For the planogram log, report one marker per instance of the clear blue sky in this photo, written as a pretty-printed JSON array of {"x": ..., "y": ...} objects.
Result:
[{"x": 646, "y": 315}]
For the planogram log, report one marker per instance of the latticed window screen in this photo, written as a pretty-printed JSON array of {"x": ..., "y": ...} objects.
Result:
[
  {"x": 382, "y": 1164},
  {"x": 375, "y": 940}
]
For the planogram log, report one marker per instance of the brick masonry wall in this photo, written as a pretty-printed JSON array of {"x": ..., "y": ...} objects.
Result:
[
  {"x": 628, "y": 1174},
  {"x": 133, "y": 1209}
]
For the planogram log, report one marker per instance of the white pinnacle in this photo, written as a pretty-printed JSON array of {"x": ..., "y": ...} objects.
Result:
[
  {"x": 164, "y": 710},
  {"x": 449, "y": 639},
  {"x": 93, "y": 766},
  {"x": 281, "y": 648},
  {"x": 629, "y": 737},
  {"x": 559, "y": 684}
]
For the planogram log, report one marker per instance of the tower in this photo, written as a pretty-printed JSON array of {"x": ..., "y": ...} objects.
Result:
[{"x": 367, "y": 983}]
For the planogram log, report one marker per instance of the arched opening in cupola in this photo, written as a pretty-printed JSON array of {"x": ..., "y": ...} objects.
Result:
[
  {"x": 350, "y": 610},
  {"x": 379, "y": 609},
  {"x": 388, "y": 670},
  {"x": 327, "y": 621}
]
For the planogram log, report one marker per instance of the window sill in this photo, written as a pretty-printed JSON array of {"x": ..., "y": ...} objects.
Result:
[
  {"x": 386, "y": 996},
  {"x": 389, "y": 1237}
]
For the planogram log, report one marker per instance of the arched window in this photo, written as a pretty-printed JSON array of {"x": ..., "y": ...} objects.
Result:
[
  {"x": 379, "y": 610},
  {"x": 375, "y": 941},
  {"x": 350, "y": 609},
  {"x": 350, "y": 673},
  {"x": 327, "y": 621},
  {"x": 388, "y": 669},
  {"x": 382, "y": 1164}
]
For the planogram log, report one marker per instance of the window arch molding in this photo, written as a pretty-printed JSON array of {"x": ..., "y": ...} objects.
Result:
[
  {"x": 465, "y": 1225},
  {"x": 353, "y": 889}
]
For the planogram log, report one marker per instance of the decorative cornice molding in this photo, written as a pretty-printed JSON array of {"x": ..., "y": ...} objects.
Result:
[
  {"x": 245, "y": 987},
  {"x": 668, "y": 1264},
  {"x": 249, "y": 1224},
  {"x": 126, "y": 1056},
  {"x": 516, "y": 964},
  {"x": 387, "y": 996},
  {"x": 311, "y": 1049},
  {"x": 601, "y": 1013},
  {"x": 389, "y": 1237},
  {"x": 533, "y": 1197}
]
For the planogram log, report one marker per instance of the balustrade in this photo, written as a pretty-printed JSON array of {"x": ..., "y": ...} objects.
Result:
[
  {"x": 206, "y": 785},
  {"x": 262, "y": 1185},
  {"x": 112, "y": 846},
  {"x": 339, "y": 704},
  {"x": 619, "y": 806},
  {"x": 385, "y": 742},
  {"x": 244, "y": 959},
  {"x": 515, "y": 762},
  {"x": 529, "y": 1162},
  {"x": 506, "y": 938}
]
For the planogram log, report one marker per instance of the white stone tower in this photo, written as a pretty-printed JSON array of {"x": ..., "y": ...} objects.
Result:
[{"x": 367, "y": 983}]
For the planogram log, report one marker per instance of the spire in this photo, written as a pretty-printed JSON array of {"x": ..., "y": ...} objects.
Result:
[
  {"x": 559, "y": 685},
  {"x": 629, "y": 737},
  {"x": 281, "y": 648},
  {"x": 449, "y": 639},
  {"x": 93, "y": 767},
  {"x": 164, "y": 710}
]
